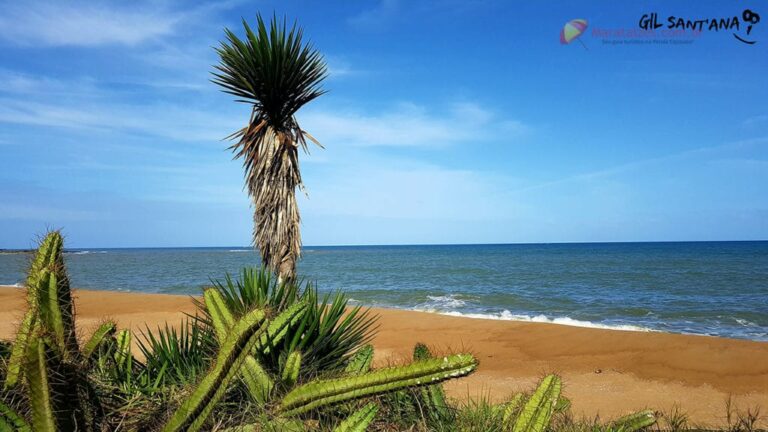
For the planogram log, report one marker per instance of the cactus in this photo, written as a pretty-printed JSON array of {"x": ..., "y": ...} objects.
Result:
[
  {"x": 48, "y": 255},
  {"x": 56, "y": 311},
  {"x": 291, "y": 368},
  {"x": 256, "y": 379},
  {"x": 278, "y": 326},
  {"x": 432, "y": 396},
  {"x": 538, "y": 410},
  {"x": 359, "y": 420},
  {"x": 635, "y": 421},
  {"x": 10, "y": 420},
  {"x": 40, "y": 397},
  {"x": 361, "y": 361},
  {"x": 123, "y": 356},
  {"x": 240, "y": 340},
  {"x": 102, "y": 333},
  {"x": 324, "y": 392},
  {"x": 221, "y": 317},
  {"x": 511, "y": 408}
]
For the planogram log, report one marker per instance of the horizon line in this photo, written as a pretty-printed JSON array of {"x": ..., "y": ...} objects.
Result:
[{"x": 412, "y": 244}]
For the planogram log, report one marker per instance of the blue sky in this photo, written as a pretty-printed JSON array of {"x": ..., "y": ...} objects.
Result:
[{"x": 445, "y": 122}]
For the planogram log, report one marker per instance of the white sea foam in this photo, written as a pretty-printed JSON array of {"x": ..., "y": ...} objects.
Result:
[
  {"x": 85, "y": 252},
  {"x": 509, "y": 316},
  {"x": 239, "y": 250},
  {"x": 444, "y": 302}
]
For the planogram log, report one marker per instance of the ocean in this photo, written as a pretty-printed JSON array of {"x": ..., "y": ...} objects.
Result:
[{"x": 706, "y": 288}]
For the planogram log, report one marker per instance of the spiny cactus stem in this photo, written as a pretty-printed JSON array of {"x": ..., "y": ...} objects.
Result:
[
  {"x": 193, "y": 412},
  {"x": 324, "y": 392},
  {"x": 359, "y": 420}
]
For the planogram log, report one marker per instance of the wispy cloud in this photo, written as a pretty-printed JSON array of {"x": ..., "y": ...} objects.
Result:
[
  {"x": 409, "y": 124},
  {"x": 167, "y": 120},
  {"x": 89, "y": 24}
]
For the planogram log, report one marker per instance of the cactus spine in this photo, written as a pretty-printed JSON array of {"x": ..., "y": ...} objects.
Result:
[
  {"x": 359, "y": 420},
  {"x": 242, "y": 338},
  {"x": 324, "y": 392},
  {"x": 635, "y": 421},
  {"x": 360, "y": 362},
  {"x": 538, "y": 410}
]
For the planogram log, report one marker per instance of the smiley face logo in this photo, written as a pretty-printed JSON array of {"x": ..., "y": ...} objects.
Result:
[{"x": 750, "y": 18}]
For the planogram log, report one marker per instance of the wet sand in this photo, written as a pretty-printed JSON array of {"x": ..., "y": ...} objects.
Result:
[{"x": 606, "y": 372}]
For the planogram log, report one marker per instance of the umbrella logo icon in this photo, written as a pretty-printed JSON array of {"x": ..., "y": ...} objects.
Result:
[{"x": 572, "y": 30}]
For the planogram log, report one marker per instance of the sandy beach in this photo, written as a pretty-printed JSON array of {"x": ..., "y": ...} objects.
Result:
[{"x": 606, "y": 372}]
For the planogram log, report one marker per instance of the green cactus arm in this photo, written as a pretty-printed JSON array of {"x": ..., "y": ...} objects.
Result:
[
  {"x": 103, "y": 332},
  {"x": 432, "y": 396},
  {"x": 256, "y": 379},
  {"x": 291, "y": 369},
  {"x": 40, "y": 398},
  {"x": 359, "y": 420},
  {"x": 361, "y": 361},
  {"x": 511, "y": 408},
  {"x": 279, "y": 325},
  {"x": 56, "y": 312},
  {"x": 18, "y": 352},
  {"x": 123, "y": 356},
  {"x": 193, "y": 412},
  {"x": 221, "y": 316},
  {"x": 635, "y": 421},
  {"x": 12, "y": 421},
  {"x": 47, "y": 255},
  {"x": 324, "y": 392},
  {"x": 537, "y": 411}
]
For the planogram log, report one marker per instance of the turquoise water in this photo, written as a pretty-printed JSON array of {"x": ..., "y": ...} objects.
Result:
[{"x": 712, "y": 288}]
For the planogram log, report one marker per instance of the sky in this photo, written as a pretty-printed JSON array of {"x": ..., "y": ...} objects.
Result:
[{"x": 444, "y": 122}]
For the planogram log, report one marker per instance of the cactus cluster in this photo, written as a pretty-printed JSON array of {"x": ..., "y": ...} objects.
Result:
[{"x": 51, "y": 373}]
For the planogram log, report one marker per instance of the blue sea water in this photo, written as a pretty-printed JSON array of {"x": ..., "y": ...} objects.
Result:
[{"x": 709, "y": 288}]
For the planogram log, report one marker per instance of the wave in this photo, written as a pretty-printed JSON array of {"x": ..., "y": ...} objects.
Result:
[
  {"x": 506, "y": 315},
  {"x": 84, "y": 252},
  {"x": 445, "y": 302},
  {"x": 239, "y": 250}
]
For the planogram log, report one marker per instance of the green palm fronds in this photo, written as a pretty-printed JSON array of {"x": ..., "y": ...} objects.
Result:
[
  {"x": 274, "y": 71},
  {"x": 327, "y": 333},
  {"x": 175, "y": 356}
]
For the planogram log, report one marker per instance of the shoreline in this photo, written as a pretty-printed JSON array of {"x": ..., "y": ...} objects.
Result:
[{"x": 606, "y": 372}]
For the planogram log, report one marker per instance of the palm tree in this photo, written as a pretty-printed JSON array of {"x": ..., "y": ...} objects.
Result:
[{"x": 274, "y": 72}]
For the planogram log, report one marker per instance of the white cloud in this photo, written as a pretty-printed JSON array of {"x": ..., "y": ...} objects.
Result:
[
  {"x": 408, "y": 125},
  {"x": 164, "y": 119},
  {"x": 89, "y": 24}
]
